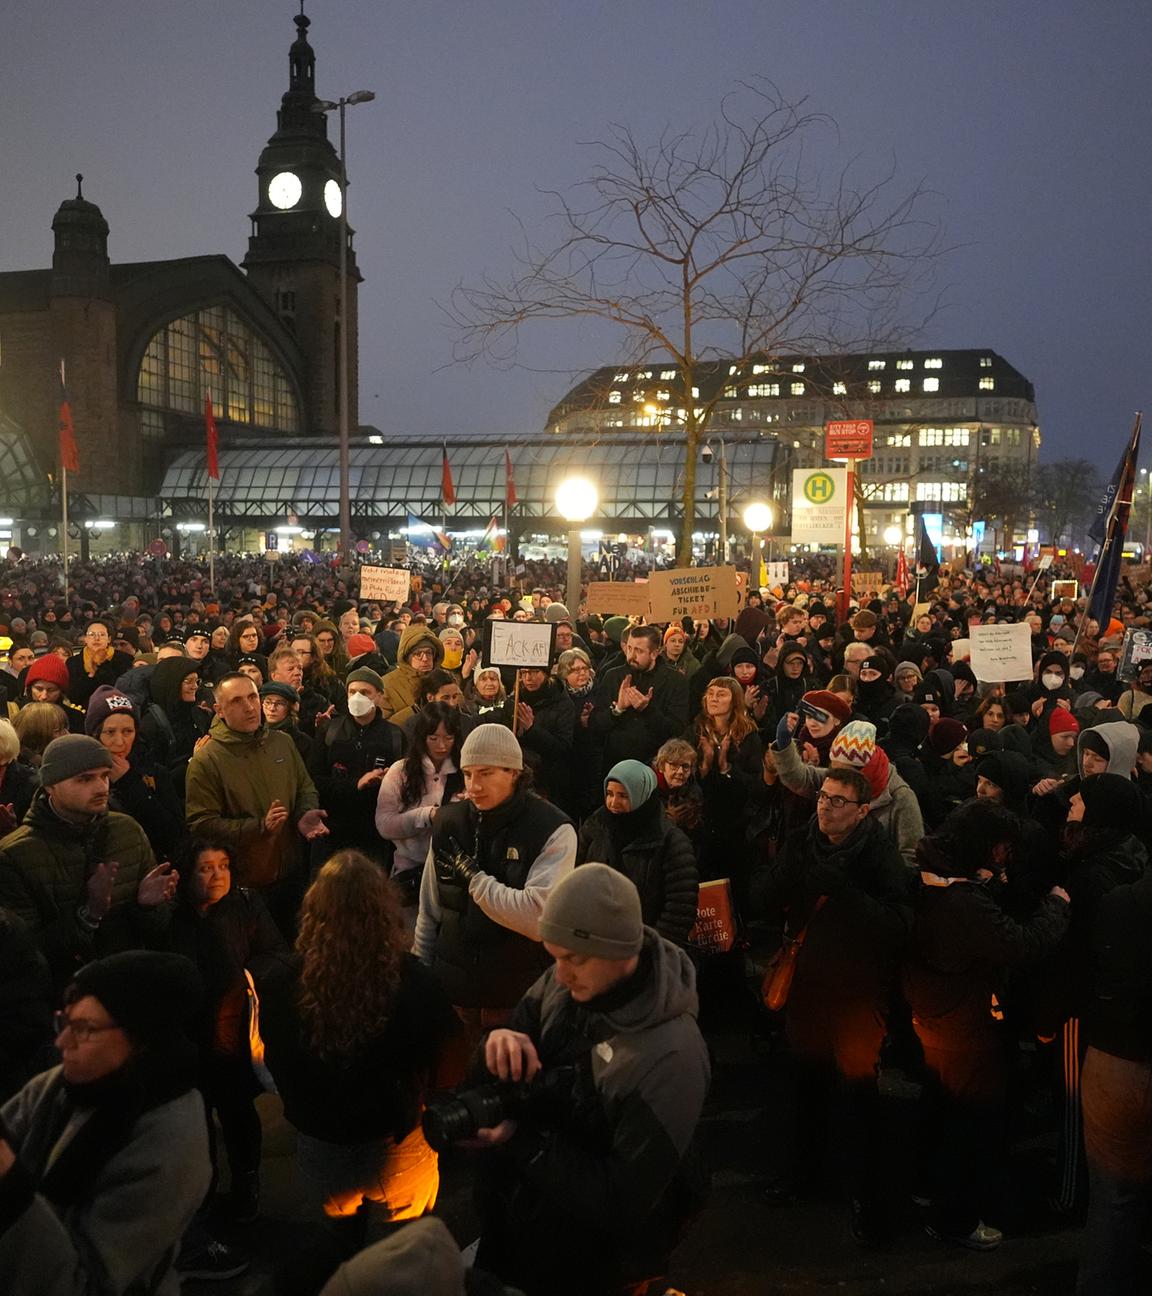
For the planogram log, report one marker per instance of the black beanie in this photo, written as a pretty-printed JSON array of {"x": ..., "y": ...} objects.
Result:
[
  {"x": 1112, "y": 801},
  {"x": 151, "y": 996},
  {"x": 1095, "y": 742},
  {"x": 910, "y": 723}
]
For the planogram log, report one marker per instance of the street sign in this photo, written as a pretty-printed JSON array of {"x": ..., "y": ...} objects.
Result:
[
  {"x": 819, "y": 505},
  {"x": 363, "y": 546},
  {"x": 851, "y": 439},
  {"x": 158, "y": 549}
]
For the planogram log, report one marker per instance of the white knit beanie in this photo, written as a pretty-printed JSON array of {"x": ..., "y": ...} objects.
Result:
[{"x": 492, "y": 744}]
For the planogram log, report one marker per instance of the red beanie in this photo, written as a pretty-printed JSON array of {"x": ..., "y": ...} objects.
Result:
[
  {"x": 50, "y": 668},
  {"x": 1061, "y": 721},
  {"x": 876, "y": 771},
  {"x": 836, "y": 707}
]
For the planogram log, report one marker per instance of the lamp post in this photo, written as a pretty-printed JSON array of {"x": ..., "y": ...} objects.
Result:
[
  {"x": 576, "y": 501},
  {"x": 758, "y": 519},
  {"x": 324, "y": 106}
]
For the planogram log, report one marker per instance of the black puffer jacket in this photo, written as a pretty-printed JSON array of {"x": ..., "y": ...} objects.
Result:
[
  {"x": 342, "y": 753},
  {"x": 655, "y": 855},
  {"x": 547, "y": 742}
]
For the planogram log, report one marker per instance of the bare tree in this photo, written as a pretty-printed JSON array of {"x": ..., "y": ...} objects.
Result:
[
  {"x": 1064, "y": 493},
  {"x": 719, "y": 243}
]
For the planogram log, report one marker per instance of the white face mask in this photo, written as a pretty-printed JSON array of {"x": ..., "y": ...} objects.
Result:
[
  {"x": 360, "y": 704},
  {"x": 1077, "y": 672},
  {"x": 455, "y": 619},
  {"x": 1052, "y": 679}
]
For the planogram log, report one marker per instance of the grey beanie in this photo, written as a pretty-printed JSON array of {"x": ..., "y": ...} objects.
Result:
[
  {"x": 70, "y": 755},
  {"x": 364, "y": 675},
  {"x": 557, "y": 612},
  {"x": 637, "y": 779},
  {"x": 492, "y": 744},
  {"x": 595, "y": 911},
  {"x": 421, "y": 1259}
]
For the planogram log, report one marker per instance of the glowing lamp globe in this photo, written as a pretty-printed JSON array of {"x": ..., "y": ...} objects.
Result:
[
  {"x": 758, "y": 517},
  {"x": 576, "y": 499}
]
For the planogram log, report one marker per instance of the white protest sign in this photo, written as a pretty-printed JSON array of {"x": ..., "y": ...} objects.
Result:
[
  {"x": 777, "y": 573},
  {"x": 1045, "y": 562},
  {"x": 961, "y": 649},
  {"x": 819, "y": 504},
  {"x": 1001, "y": 652},
  {"x": 701, "y": 592},
  {"x": 523, "y": 644},
  {"x": 384, "y": 584}
]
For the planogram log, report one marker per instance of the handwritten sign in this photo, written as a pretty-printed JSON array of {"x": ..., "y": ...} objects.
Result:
[
  {"x": 1065, "y": 589},
  {"x": 1045, "y": 561},
  {"x": 618, "y": 598},
  {"x": 526, "y": 645},
  {"x": 384, "y": 584},
  {"x": 1136, "y": 652},
  {"x": 868, "y": 582},
  {"x": 777, "y": 574},
  {"x": 701, "y": 592},
  {"x": 1002, "y": 652},
  {"x": 961, "y": 649}
]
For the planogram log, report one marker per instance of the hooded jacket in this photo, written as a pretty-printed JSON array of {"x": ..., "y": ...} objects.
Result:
[
  {"x": 1122, "y": 740},
  {"x": 402, "y": 684},
  {"x": 599, "y": 1198},
  {"x": 232, "y": 781},
  {"x": 717, "y": 662},
  {"x": 44, "y": 867}
]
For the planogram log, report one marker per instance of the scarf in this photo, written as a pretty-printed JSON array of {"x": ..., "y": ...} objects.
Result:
[{"x": 93, "y": 661}]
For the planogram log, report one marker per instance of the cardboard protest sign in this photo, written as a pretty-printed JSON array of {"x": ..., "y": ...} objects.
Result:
[
  {"x": 1002, "y": 652},
  {"x": 1136, "y": 650},
  {"x": 618, "y": 598},
  {"x": 1065, "y": 589},
  {"x": 868, "y": 582},
  {"x": 522, "y": 644},
  {"x": 384, "y": 584},
  {"x": 701, "y": 592}
]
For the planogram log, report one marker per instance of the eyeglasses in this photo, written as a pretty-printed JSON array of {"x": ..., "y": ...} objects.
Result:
[
  {"x": 836, "y": 802},
  {"x": 683, "y": 767},
  {"x": 96, "y": 634},
  {"x": 82, "y": 1031}
]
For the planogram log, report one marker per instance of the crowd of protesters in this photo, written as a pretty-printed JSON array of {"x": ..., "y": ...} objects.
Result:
[{"x": 270, "y": 836}]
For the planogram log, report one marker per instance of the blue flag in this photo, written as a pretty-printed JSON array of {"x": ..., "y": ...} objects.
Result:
[
  {"x": 1098, "y": 531},
  {"x": 1115, "y": 531}
]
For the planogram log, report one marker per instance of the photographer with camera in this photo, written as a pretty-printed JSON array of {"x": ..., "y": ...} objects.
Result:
[{"x": 590, "y": 1177}]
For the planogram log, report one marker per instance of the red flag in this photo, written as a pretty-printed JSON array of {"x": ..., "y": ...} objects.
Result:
[
  {"x": 510, "y": 497},
  {"x": 210, "y": 435},
  {"x": 901, "y": 581},
  {"x": 69, "y": 457},
  {"x": 447, "y": 489}
]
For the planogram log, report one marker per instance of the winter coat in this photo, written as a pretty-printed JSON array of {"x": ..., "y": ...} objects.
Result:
[
  {"x": 896, "y": 808},
  {"x": 232, "y": 782},
  {"x": 410, "y": 828},
  {"x": 600, "y": 1198},
  {"x": 717, "y": 662},
  {"x": 377, "y": 1092},
  {"x": 147, "y": 793},
  {"x": 341, "y": 755},
  {"x": 961, "y": 943},
  {"x": 638, "y": 735},
  {"x": 547, "y": 742},
  {"x": 44, "y": 868},
  {"x": 401, "y": 684},
  {"x": 27, "y": 1001},
  {"x": 121, "y": 1237},
  {"x": 81, "y": 685},
  {"x": 652, "y": 853},
  {"x": 722, "y": 845},
  {"x": 18, "y": 784},
  {"x": 1120, "y": 1018}
]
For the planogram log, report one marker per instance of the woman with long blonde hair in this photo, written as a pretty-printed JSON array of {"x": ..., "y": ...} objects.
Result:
[{"x": 353, "y": 1043}]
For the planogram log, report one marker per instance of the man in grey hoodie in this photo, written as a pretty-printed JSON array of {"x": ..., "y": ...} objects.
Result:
[{"x": 591, "y": 1189}]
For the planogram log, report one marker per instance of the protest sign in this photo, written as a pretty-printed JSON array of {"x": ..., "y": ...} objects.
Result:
[
  {"x": 384, "y": 584},
  {"x": 1045, "y": 561},
  {"x": 1062, "y": 589},
  {"x": 961, "y": 649},
  {"x": 1136, "y": 650},
  {"x": 777, "y": 574},
  {"x": 523, "y": 644},
  {"x": 702, "y": 592},
  {"x": 868, "y": 582},
  {"x": 714, "y": 931},
  {"x": 618, "y": 598},
  {"x": 1001, "y": 652}
]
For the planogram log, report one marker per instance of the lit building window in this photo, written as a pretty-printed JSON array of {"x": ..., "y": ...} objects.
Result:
[
  {"x": 213, "y": 350},
  {"x": 729, "y": 393},
  {"x": 934, "y": 362},
  {"x": 903, "y": 440},
  {"x": 613, "y": 398},
  {"x": 905, "y": 364},
  {"x": 874, "y": 386},
  {"x": 639, "y": 397},
  {"x": 762, "y": 368},
  {"x": 623, "y": 377},
  {"x": 797, "y": 388},
  {"x": 894, "y": 492},
  {"x": 985, "y": 362},
  {"x": 877, "y": 364},
  {"x": 798, "y": 368},
  {"x": 695, "y": 393},
  {"x": 987, "y": 384},
  {"x": 663, "y": 395},
  {"x": 934, "y": 436},
  {"x": 839, "y": 389},
  {"x": 647, "y": 373},
  {"x": 764, "y": 389},
  {"x": 666, "y": 375},
  {"x": 931, "y": 384},
  {"x": 733, "y": 369},
  {"x": 903, "y": 384}
]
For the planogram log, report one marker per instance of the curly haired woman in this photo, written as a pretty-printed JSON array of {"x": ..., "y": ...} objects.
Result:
[{"x": 353, "y": 1042}]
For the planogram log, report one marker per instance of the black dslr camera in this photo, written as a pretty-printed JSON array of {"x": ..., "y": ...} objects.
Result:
[{"x": 451, "y": 1117}]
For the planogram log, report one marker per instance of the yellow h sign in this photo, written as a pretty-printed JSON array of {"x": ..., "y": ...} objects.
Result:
[{"x": 819, "y": 488}]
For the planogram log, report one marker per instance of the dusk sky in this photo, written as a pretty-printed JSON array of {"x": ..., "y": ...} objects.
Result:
[{"x": 1028, "y": 118}]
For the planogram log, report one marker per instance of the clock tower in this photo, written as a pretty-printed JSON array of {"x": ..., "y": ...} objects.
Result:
[{"x": 293, "y": 255}]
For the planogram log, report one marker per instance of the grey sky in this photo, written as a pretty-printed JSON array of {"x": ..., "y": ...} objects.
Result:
[{"x": 1029, "y": 118}]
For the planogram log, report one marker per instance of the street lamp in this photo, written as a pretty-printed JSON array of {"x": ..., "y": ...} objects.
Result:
[
  {"x": 325, "y": 106},
  {"x": 576, "y": 501},
  {"x": 893, "y": 535},
  {"x": 758, "y": 519}
]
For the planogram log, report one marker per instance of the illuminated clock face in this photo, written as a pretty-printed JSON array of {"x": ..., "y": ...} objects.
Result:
[
  {"x": 333, "y": 199},
  {"x": 284, "y": 190}
]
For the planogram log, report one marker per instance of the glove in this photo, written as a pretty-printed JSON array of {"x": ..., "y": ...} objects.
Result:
[
  {"x": 453, "y": 864},
  {"x": 783, "y": 734}
]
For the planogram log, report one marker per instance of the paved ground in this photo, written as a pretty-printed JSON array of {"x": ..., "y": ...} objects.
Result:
[{"x": 740, "y": 1247}]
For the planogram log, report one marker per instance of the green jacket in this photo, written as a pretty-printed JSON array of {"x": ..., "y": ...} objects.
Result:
[
  {"x": 232, "y": 781},
  {"x": 44, "y": 869}
]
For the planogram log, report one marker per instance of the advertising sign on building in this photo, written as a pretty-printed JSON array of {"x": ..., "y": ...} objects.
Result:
[
  {"x": 851, "y": 439},
  {"x": 819, "y": 503}
]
